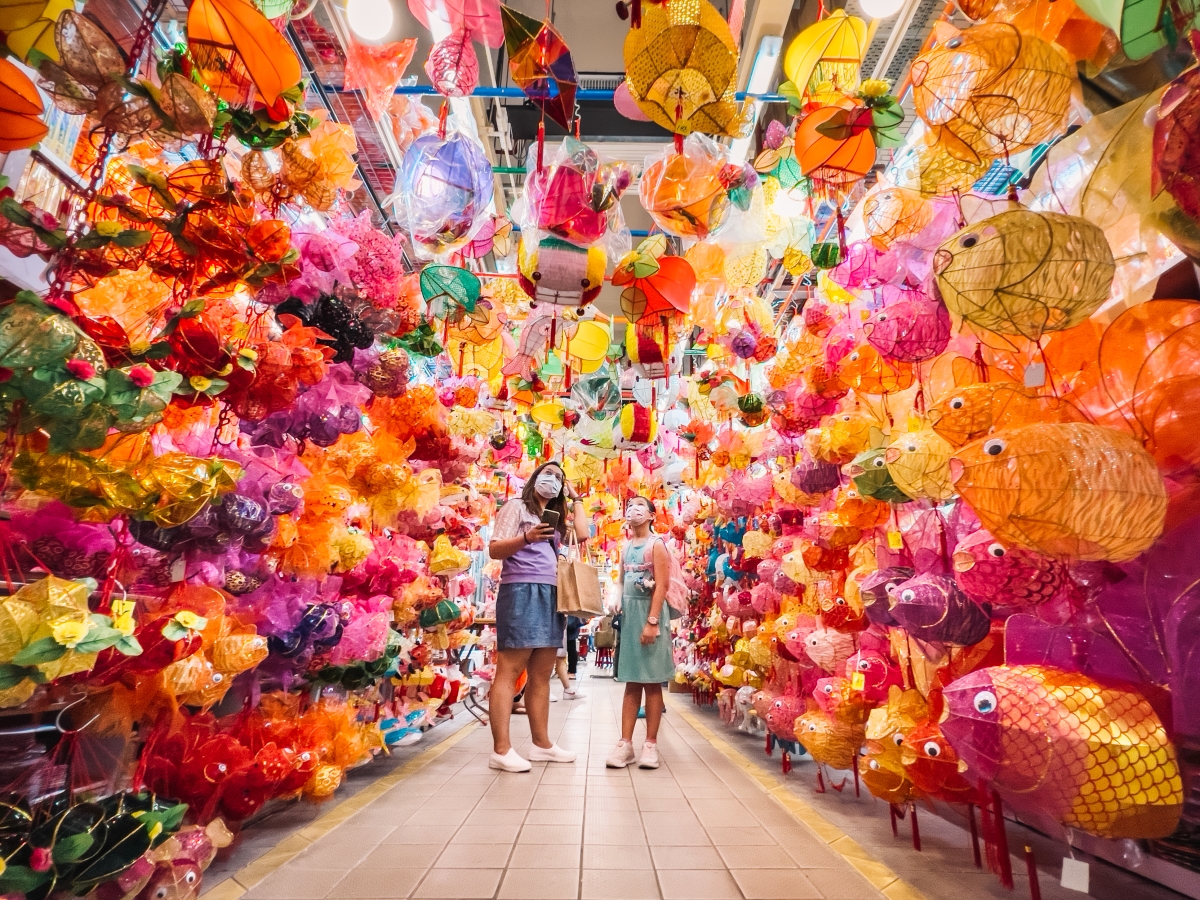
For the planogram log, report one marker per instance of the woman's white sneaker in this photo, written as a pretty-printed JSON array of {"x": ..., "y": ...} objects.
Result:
[
  {"x": 649, "y": 758},
  {"x": 553, "y": 753},
  {"x": 621, "y": 756},
  {"x": 512, "y": 761}
]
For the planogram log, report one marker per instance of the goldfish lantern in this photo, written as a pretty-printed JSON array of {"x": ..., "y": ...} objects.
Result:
[
  {"x": 992, "y": 91},
  {"x": 933, "y": 608},
  {"x": 928, "y": 168},
  {"x": 882, "y": 766},
  {"x": 873, "y": 674},
  {"x": 781, "y": 715},
  {"x": 443, "y": 190},
  {"x": 873, "y": 478},
  {"x": 1068, "y": 491},
  {"x": 919, "y": 463},
  {"x": 1087, "y": 755},
  {"x": 827, "y": 54},
  {"x": 562, "y": 274},
  {"x": 681, "y": 67},
  {"x": 573, "y": 196},
  {"x": 684, "y": 191},
  {"x": 893, "y": 214},
  {"x": 830, "y": 742},
  {"x": 930, "y": 762},
  {"x": 876, "y": 589},
  {"x": 1026, "y": 273},
  {"x": 637, "y": 427},
  {"x": 865, "y": 369},
  {"x": 21, "y": 110},
  {"x": 912, "y": 327},
  {"x": 972, "y": 411},
  {"x": 840, "y": 437}
]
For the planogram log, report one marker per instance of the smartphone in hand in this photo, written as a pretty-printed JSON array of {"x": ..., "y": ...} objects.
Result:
[{"x": 550, "y": 517}]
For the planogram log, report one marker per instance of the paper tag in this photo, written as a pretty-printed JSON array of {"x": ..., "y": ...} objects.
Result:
[
  {"x": 178, "y": 569},
  {"x": 858, "y": 682},
  {"x": 1035, "y": 375},
  {"x": 1075, "y": 875},
  {"x": 895, "y": 540}
]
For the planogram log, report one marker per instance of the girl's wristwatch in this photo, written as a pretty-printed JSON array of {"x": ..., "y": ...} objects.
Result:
[{"x": 652, "y": 620}]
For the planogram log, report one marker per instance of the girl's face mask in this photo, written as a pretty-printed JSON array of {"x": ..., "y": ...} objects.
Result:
[
  {"x": 637, "y": 514},
  {"x": 548, "y": 486}
]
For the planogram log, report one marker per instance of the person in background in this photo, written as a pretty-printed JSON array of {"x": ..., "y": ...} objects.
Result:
[
  {"x": 529, "y": 629},
  {"x": 643, "y": 659},
  {"x": 574, "y": 626}
]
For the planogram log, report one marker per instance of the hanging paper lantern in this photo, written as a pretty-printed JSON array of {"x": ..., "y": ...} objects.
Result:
[
  {"x": 651, "y": 352},
  {"x": 684, "y": 192},
  {"x": 1025, "y": 272},
  {"x": 1105, "y": 766},
  {"x": 1069, "y": 491},
  {"x": 681, "y": 68},
  {"x": 991, "y": 91},
  {"x": 478, "y": 18},
  {"x": 572, "y": 195},
  {"x": 926, "y": 166},
  {"x": 893, "y": 214},
  {"x": 919, "y": 463},
  {"x": 540, "y": 64},
  {"x": 659, "y": 287},
  {"x": 912, "y": 327},
  {"x": 443, "y": 190},
  {"x": 556, "y": 272},
  {"x": 637, "y": 426},
  {"x": 834, "y": 145},
  {"x": 827, "y": 52},
  {"x": 21, "y": 110},
  {"x": 934, "y": 608},
  {"x": 452, "y": 66},
  {"x": 1176, "y": 165}
]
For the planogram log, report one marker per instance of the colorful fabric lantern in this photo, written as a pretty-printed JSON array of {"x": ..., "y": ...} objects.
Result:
[
  {"x": 827, "y": 52},
  {"x": 637, "y": 427},
  {"x": 540, "y": 65},
  {"x": 1025, "y": 273},
  {"x": 681, "y": 68},
  {"x": 1068, "y": 491},
  {"x": 1087, "y": 755},
  {"x": 556, "y": 272}
]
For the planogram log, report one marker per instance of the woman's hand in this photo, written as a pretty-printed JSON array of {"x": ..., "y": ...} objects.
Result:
[
  {"x": 649, "y": 634},
  {"x": 539, "y": 532}
]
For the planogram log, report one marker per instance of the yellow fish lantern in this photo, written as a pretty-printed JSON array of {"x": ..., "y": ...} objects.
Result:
[
  {"x": 992, "y": 91},
  {"x": 830, "y": 741},
  {"x": 972, "y": 411},
  {"x": 919, "y": 463},
  {"x": 1025, "y": 273},
  {"x": 1065, "y": 490},
  {"x": 827, "y": 52},
  {"x": 1091, "y": 757},
  {"x": 841, "y": 437},
  {"x": 881, "y": 766}
]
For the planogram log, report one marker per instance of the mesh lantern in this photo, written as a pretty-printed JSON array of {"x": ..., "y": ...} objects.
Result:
[{"x": 681, "y": 68}]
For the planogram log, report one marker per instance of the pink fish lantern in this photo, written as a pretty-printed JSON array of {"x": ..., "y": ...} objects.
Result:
[
  {"x": 933, "y": 608},
  {"x": 736, "y": 603},
  {"x": 761, "y": 702},
  {"x": 834, "y": 696},
  {"x": 859, "y": 271},
  {"x": 781, "y": 717},
  {"x": 912, "y": 327},
  {"x": 829, "y": 649},
  {"x": 765, "y": 599},
  {"x": 796, "y": 639},
  {"x": 767, "y": 569},
  {"x": 785, "y": 585},
  {"x": 1011, "y": 578},
  {"x": 873, "y": 674},
  {"x": 875, "y": 590}
]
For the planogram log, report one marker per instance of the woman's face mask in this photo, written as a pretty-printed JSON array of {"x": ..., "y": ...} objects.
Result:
[
  {"x": 548, "y": 485},
  {"x": 637, "y": 514}
]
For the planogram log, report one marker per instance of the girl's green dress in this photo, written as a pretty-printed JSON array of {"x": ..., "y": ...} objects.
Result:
[{"x": 636, "y": 662}]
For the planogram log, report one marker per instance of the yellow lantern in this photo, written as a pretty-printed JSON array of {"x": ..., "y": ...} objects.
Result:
[{"x": 830, "y": 50}]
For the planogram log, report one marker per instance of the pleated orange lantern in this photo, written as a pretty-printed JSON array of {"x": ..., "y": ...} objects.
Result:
[
  {"x": 21, "y": 108},
  {"x": 234, "y": 46},
  {"x": 834, "y": 144}
]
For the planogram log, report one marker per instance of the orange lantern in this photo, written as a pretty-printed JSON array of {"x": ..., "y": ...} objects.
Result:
[{"x": 21, "y": 108}]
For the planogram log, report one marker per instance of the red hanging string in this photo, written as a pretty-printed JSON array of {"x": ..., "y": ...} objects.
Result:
[{"x": 442, "y": 114}]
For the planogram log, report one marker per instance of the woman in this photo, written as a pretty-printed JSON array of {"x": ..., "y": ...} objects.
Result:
[
  {"x": 529, "y": 629},
  {"x": 645, "y": 663}
]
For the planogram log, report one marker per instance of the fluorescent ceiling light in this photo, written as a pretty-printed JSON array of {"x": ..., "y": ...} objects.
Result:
[
  {"x": 762, "y": 80},
  {"x": 371, "y": 20}
]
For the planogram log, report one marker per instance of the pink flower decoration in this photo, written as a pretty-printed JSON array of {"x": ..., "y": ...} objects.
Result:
[
  {"x": 40, "y": 860},
  {"x": 81, "y": 369},
  {"x": 142, "y": 376}
]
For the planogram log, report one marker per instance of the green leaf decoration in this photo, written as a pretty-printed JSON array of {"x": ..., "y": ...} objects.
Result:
[
  {"x": 41, "y": 651},
  {"x": 128, "y": 646},
  {"x": 173, "y": 631},
  {"x": 12, "y": 675},
  {"x": 69, "y": 849},
  {"x": 98, "y": 639},
  {"x": 22, "y": 880},
  {"x": 132, "y": 237}
]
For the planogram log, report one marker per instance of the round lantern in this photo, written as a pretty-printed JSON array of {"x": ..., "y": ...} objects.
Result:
[
  {"x": 683, "y": 192},
  {"x": 443, "y": 188}
]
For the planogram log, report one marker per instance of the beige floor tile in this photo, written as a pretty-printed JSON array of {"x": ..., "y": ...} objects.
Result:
[
  {"x": 377, "y": 884},
  {"x": 421, "y": 834},
  {"x": 329, "y": 856},
  {"x": 464, "y": 855},
  {"x": 629, "y": 884},
  {"x": 683, "y": 836},
  {"x": 703, "y": 884},
  {"x": 540, "y": 884},
  {"x": 628, "y": 804},
  {"x": 658, "y": 789},
  {"x": 844, "y": 884},
  {"x": 545, "y": 798},
  {"x": 402, "y": 856},
  {"x": 555, "y": 816},
  {"x": 664, "y": 804},
  {"x": 751, "y": 856},
  {"x": 297, "y": 884},
  {"x": 613, "y": 834},
  {"x": 686, "y": 858},
  {"x": 662, "y": 821},
  {"x": 545, "y": 856},
  {"x": 734, "y": 817},
  {"x": 617, "y": 857},
  {"x": 506, "y": 801},
  {"x": 551, "y": 834},
  {"x": 495, "y": 817},
  {"x": 487, "y": 834},
  {"x": 775, "y": 884},
  {"x": 739, "y": 834},
  {"x": 459, "y": 884}
]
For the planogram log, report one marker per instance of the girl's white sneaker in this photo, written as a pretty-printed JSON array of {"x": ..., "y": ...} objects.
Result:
[{"x": 512, "y": 761}]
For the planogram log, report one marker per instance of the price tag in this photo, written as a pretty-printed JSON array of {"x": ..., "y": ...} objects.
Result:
[
  {"x": 1075, "y": 875},
  {"x": 178, "y": 570},
  {"x": 858, "y": 682},
  {"x": 895, "y": 540}
]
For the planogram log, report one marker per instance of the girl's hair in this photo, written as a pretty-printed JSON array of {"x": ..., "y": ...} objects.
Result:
[
  {"x": 530, "y": 498},
  {"x": 649, "y": 503}
]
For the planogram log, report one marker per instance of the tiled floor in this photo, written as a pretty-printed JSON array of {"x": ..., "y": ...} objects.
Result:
[{"x": 696, "y": 828}]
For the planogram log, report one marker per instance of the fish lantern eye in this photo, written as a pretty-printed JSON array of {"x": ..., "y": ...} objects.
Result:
[
  {"x": 854, "y": 356},
  {"x": 874, "y": 765},
  {"x": 897, "y": 739},
  {"x": 846, "y": 418},
  {"x": 911, "y": 448},
  {"x": 840, "y": 601},
  {"x": 908, "y": 596},
  {"x": 879, "y": 462},
  {"x": 190, "y": 877},
  {"x": 985, "y": 702},
  {"x": 812, "y": 726},
  {"x": 958, "y": 403},
  {"x": 994, "y": 447},
  {"x": 161, "y": 893},
  {"x": 995, "y": 550},
  {"x": 883, "y": 317},
  {"x": 932, "y": 749},
  {"x": 863, "y": 665},
  {"x": 828, "y": 689}
]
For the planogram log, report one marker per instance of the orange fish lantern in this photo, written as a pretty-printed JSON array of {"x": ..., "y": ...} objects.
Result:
[
  {"x": 234, "y": 46},
  {"x": 972, "y": 411},
  {"x": 933, "y": 767},
  {"x": 1090, "y": 756},
  {"x": 1071, "y": 491},
  {"x": 834, "y": 144},
  {"x": 867, "y": 371},
  {"x": 882, "y": 765},
  {"x": 21, "y": 110},
  {"x": 829, "y": 741}
]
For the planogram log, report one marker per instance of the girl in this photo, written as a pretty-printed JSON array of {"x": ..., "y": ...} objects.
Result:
[
  {"x": 529, "y": 629},
  {"x": 643, "y": 656}
]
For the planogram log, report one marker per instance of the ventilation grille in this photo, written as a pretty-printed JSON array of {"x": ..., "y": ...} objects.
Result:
[{"x": 928, "y": 11}]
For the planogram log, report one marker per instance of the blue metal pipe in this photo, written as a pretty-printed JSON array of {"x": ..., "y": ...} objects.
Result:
[{"x": 513, "y": 93}]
